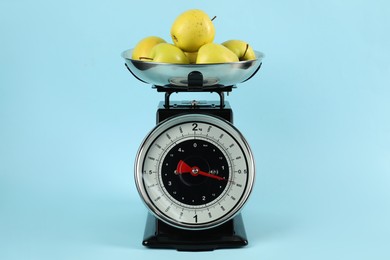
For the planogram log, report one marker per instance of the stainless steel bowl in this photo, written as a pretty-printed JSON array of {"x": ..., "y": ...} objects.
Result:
[{"x": 216, "y": 74}]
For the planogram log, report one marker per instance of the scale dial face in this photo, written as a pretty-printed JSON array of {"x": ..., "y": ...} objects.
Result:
[{"x": 194, "y": 171}]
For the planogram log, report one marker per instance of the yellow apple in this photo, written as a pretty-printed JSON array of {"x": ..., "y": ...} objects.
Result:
[
  {"x": 241, "y": 48},
  {"x": 215, "y": 53},
  {"x": 191, "y": 56},
  {"x": 167, "y": 53},
  {"x": 192, "y": 29},
  {"x": 144, "y": 46}
]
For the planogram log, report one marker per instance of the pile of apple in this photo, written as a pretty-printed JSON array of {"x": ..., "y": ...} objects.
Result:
[{"x": 192, "y": 34}]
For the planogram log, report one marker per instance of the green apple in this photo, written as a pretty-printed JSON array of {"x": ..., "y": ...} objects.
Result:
[
  {"x": 167, "y": 53},
  {"x": 215, "y": 53},
  {"x": 192, "y": 29},
  {"x": 241, "y": 48},
  {"x": 144, "y": 46}
]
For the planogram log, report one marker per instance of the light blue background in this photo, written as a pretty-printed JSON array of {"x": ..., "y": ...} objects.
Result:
[{"x": 317, "y": 117}]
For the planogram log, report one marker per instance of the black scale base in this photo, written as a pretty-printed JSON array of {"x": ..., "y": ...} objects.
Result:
[
  {"x": 228, "y": 235},
  {"x": 161, "y": 235}
]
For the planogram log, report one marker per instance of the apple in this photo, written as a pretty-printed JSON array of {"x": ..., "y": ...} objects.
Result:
[
  {"x": 144, "y": 46},
  {"x": 241, "y": 48},
  {"x": 215, "y": 53},
  {"x": 191, "y": 56},
  {"x": 167, "y": 53},
  {"x": 192, "y": 29}
]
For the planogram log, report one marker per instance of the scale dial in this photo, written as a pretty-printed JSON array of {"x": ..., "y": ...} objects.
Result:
[{"x": 194, "y": 171}]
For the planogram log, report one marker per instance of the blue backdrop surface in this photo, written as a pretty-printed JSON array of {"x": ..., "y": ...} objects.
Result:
[{"x": 317, "y": 117}]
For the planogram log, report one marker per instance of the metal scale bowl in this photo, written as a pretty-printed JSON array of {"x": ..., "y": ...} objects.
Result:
[{"x": 178, "y": 75}]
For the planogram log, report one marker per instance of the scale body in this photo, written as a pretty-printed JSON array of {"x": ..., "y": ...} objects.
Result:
[{"x": 194, "y": 170}]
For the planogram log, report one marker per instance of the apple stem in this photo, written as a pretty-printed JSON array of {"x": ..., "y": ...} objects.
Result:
[
  {"x": 246, "y": 49},
  {"x": 145, "y": 58},
  {"x": 213, "y": 18}
]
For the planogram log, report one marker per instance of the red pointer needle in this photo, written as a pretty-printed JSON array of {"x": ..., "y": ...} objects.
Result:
[{"x": 182, "y": 167}]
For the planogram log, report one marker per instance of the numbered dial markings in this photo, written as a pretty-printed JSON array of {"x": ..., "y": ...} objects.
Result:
[{"x": 194, "y": 171}]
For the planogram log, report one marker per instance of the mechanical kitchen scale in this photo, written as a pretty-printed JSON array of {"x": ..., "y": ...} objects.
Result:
[{"x": 194, "y": 170}]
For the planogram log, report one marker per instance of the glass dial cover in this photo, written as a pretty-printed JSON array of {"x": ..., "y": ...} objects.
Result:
[{"x": 194, "y": 171}]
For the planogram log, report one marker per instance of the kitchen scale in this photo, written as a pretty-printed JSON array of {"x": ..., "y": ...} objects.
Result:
[{"x": 194, "y": 170}]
